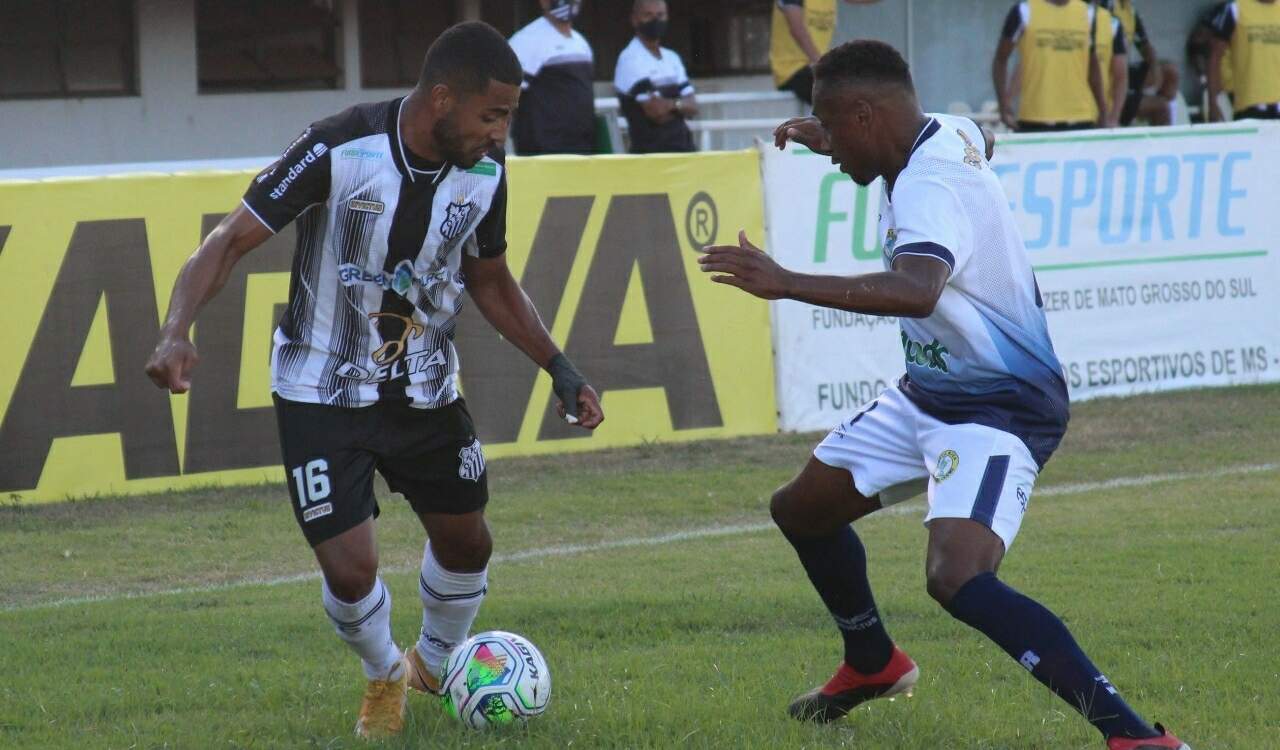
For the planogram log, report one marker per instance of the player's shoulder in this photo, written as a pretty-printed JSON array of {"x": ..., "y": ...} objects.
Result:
[{"x": 355, "y": 122}]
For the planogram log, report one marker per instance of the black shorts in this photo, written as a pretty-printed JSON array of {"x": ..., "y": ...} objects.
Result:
[{"x": 431, "y": 456}]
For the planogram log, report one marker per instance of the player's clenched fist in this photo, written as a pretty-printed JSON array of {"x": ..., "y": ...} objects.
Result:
[
  {"x": 747, "y": 267},
  {"x": 170, "y": 364}
]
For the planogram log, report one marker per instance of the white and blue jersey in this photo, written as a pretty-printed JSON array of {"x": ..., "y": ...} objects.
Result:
[{"x": 984, "y": 356}]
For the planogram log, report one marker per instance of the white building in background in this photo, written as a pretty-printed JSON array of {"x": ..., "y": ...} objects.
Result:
[{"x": 127, "y": 81}]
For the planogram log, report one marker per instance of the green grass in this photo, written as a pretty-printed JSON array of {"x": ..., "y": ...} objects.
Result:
[{"x": 1169, "y": 586}]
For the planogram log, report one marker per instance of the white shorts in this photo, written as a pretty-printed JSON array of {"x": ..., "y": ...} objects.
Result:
[{"x": 896, "y": 451}]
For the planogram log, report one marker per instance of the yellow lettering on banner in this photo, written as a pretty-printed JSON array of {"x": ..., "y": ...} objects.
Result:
[
  {"x": 634, "y": 327},
  {"x": 94, "y": 367},
  {"x": 606, "y": 246}
]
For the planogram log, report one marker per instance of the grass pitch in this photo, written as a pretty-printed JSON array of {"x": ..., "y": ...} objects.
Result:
[{"x": 670, "y": 614}]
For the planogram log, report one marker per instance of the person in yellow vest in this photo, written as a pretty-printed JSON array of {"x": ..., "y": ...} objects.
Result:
[
  {"x": 1108, "y": 37},
  {"x": 1153, "y": 83},
  {"x": 1060, "y": 79},
  {"x": 1250, "y": 29},
  {"x": 800, "y": 33}
]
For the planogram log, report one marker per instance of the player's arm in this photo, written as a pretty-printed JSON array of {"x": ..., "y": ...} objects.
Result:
[
  {"x": 277, "y": 196},
  {"x": 509, "y": 310},
  {"x": 503, "y": 303},
  {"x": 794, "y": 14},
  {"x": 203, "y": 275},
  {"x": 1000, "y": 65},
  {"x": 910, "y": 290}
]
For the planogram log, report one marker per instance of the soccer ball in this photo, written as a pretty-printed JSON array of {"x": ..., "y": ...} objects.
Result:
[{"x": 496, "y": 678}]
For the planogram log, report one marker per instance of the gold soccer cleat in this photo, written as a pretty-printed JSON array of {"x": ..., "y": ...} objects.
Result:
[
  {"x": 382, "y": 711},
  {"x": 421, "y": 678}
]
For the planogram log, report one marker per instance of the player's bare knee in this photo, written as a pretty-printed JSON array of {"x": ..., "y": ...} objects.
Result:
[
  {"x": 465, "y": 552},
  {"x": 782, "y": 508},
  {"x": 354, "y": 581}
]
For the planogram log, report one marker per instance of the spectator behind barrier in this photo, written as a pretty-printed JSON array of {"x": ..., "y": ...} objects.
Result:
[
  {"x": 1153, "y": 83},
  {"x": 1250, "y": 31},
  {"x": 653, "y": 88},
  {"x": 800, "y": 32},
  {"x": 557, "y": 108},
  {"x": 1199, "y": 47},
  {"x": 1060, "y": 83}
]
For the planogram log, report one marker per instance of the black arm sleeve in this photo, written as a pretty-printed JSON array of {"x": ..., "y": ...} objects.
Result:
[
  {"x": 491, "y": 233},
  {"x": 298, "y": 179},
  {"x": 1012, "y": 23}
]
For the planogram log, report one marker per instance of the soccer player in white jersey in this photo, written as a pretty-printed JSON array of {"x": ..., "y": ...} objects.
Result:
[
  {"x": 400, "y": 206},
  {"x": 982, "y": 406}
]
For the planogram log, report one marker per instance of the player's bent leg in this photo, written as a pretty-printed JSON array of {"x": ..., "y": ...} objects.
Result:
[
  {"x": 452, "y": 583},
  {"x": 961, "y": 569},
  {"x": 814, "y": 512},
  {"x": 359, "y": 605}
]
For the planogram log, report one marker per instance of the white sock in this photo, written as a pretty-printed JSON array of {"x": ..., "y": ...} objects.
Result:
[
  {"x": 450, "y": 602},
  {"x": 366, "y": 627}
]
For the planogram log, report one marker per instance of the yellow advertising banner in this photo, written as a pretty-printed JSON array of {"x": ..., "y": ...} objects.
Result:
[{"x": 604, "y": 246}]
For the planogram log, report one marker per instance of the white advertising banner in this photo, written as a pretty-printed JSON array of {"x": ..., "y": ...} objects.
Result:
[{"x": 1157, "y": 252}]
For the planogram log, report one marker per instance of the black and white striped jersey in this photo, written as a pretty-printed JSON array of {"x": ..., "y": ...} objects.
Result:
[{"x": 377, "y": 280}]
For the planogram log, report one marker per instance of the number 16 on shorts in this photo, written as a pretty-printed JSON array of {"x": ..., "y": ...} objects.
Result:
[{"x": 311, "y": 483}]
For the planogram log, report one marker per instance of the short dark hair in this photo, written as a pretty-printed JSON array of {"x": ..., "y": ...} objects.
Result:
[
  {"x": 469, "y": 55},
  {"x": 864, "y": 60}
]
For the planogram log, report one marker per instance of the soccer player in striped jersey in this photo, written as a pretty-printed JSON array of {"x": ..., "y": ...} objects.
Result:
[
  {"x": 400, "y": 207},
  {"x": 981, "y": 408}
]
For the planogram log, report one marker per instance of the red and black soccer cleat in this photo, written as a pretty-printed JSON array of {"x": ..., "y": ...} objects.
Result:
[
  {"x": 1165, "y": 741},
  {"x": 849, "y": 688}
]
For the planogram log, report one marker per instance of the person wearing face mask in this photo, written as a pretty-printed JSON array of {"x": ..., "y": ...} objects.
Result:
[
  {"x": 652, "y": 85},
  {"x": 557, "y": 108}
]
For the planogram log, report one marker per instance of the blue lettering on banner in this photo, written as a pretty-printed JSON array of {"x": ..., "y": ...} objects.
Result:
[{"x": 1156, "y": 199}]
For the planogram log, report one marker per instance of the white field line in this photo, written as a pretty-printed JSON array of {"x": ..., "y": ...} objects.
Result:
[{"x": 703, "y": 532}]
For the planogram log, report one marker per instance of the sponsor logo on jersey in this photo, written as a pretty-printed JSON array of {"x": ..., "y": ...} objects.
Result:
[
  {"x": 317, "y": 511},
  {"x": 1022, "y": 498},
  {"x": 368, "y": 207},
  {"x": 457, "y": 219},
  {"x": 933, "y": 356},
  {"x": 400, "y": 281},
  {"x": 360, "y": 153},
  {"x": 471, "y": 461},
  {"x": 890, "y": 239},
  {"x": 948, "y": 462},
  {"x": 312, "y": 154},
  {"x": 972, "y": 156},
  {"x": 410, "y": 364}
]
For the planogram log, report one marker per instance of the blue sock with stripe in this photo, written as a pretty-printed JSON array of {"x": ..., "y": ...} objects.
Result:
[
  {"x": 1038, "y": 640},
  {"x": 837, "y": 567}
]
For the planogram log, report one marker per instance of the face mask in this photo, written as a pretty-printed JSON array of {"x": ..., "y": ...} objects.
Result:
[
  {"x": 565, "y": 10},
  {"x": 654, "y": 28}
]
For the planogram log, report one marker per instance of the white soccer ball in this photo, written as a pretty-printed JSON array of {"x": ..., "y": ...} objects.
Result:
[{"x": 496, "y": 678}]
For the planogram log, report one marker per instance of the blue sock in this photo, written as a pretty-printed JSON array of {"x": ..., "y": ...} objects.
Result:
[
  {"x": 1040, "y": 642},
  {"x": 837, "y": 567}
]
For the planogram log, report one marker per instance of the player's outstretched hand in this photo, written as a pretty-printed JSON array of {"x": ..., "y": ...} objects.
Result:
[
  {"x": 807, "y": 131},
  {"x": 747, "y": 267},
  {"x": 171, "y": 363}
]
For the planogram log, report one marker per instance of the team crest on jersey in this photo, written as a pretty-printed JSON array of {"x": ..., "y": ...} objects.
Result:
[
  {"x": 471, "y": 461},
  {"x": 457, "y": 217},
  {"x": 972, "y": 156},
  {"x": 948, "y": 462},
  {"x": 890, "y": 239}
]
